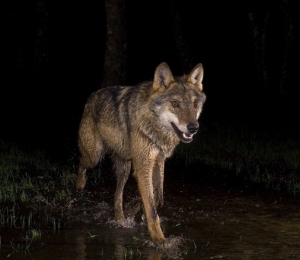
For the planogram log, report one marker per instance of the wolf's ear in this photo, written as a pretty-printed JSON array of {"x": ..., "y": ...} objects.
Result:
[
  {"x": 196, "y": 76},
  {"x": 162, "y": 77}
]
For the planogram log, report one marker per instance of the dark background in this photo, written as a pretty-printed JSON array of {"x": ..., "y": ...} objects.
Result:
[{"x": 53, "y": 56}]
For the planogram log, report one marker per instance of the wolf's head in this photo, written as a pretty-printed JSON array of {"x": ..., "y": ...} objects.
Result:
[{"x": 178, "y": 101}]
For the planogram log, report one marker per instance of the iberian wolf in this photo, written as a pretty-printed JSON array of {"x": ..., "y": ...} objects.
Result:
[{"x": 140, "y": 126}]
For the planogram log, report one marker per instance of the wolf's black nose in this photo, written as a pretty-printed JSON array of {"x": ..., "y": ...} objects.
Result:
[{"x": 193, "y": 128}]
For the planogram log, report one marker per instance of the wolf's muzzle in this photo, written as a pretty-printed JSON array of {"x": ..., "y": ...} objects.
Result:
[
  {"x": 193, "y": 128},
  {"x": 186, "y": 137}
]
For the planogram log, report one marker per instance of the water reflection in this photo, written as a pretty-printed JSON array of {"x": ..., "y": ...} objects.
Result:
[
  {"x": 156, "y": 255},
  {"x": 80, "y": 247},
  {"x": 207, "y": 224},
  {"x": 105, "y": 243}
]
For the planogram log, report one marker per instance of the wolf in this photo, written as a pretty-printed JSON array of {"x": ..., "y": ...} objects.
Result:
[{"x": 140, "y": 126}]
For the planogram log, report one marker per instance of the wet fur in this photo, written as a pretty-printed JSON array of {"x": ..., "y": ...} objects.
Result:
[{"x": 140, "y": 126}]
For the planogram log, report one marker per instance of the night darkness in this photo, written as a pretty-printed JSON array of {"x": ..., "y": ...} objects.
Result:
[
  {"x": 231, "y": 193},
  {"x": 52, "y": 58}
]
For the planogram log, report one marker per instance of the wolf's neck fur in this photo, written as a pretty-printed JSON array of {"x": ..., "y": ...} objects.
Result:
[{"x": 160, "y": 136}]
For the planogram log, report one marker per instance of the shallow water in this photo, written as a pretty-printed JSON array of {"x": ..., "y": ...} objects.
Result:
[{"x": 200, "y": 222}]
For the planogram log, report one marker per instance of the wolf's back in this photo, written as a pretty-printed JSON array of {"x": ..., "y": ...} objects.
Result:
[
  {"x": 117, "y": 105},
  {"x": 112, "y": 114}
]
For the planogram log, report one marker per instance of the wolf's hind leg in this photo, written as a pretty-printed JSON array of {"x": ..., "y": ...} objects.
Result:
[
  {"x": 91, "y": 150},
  {"x": 122, "y": 171},
  {"x": 81, "y": 178}
]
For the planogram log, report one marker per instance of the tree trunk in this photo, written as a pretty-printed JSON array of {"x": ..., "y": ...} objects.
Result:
[
  {"x": 285, "y": 83},
  {"x": 41, "y": 47},
  {"x": 260, "y": 43},
  {"x": 183, "y": 52},
  {"x": 115, "y": 58}
]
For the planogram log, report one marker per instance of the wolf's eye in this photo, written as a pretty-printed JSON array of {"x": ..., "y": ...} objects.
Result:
[
  {"x": 174, "y": 103},
  {"x": 196, "y": 103}
]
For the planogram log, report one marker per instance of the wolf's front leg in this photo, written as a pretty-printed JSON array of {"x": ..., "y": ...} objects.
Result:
[
  {"x": 158, "y": 182},
  {"x": 143, "y": 172},
  {"x": 122, "y": 171}
]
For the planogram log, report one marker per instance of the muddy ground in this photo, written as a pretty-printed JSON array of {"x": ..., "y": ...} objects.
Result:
[{"x": 202, "y": 220}]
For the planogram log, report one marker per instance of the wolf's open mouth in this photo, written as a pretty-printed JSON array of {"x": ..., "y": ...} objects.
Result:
[{"x": 185, "y": 138}]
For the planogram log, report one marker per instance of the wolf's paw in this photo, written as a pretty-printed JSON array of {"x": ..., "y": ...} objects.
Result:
[
  {"x": 159, "y": 239},
  {"x": 80, "y": 184},
  {"x": 125, "y": 223},
  {"x": 157, "y": 235}
]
